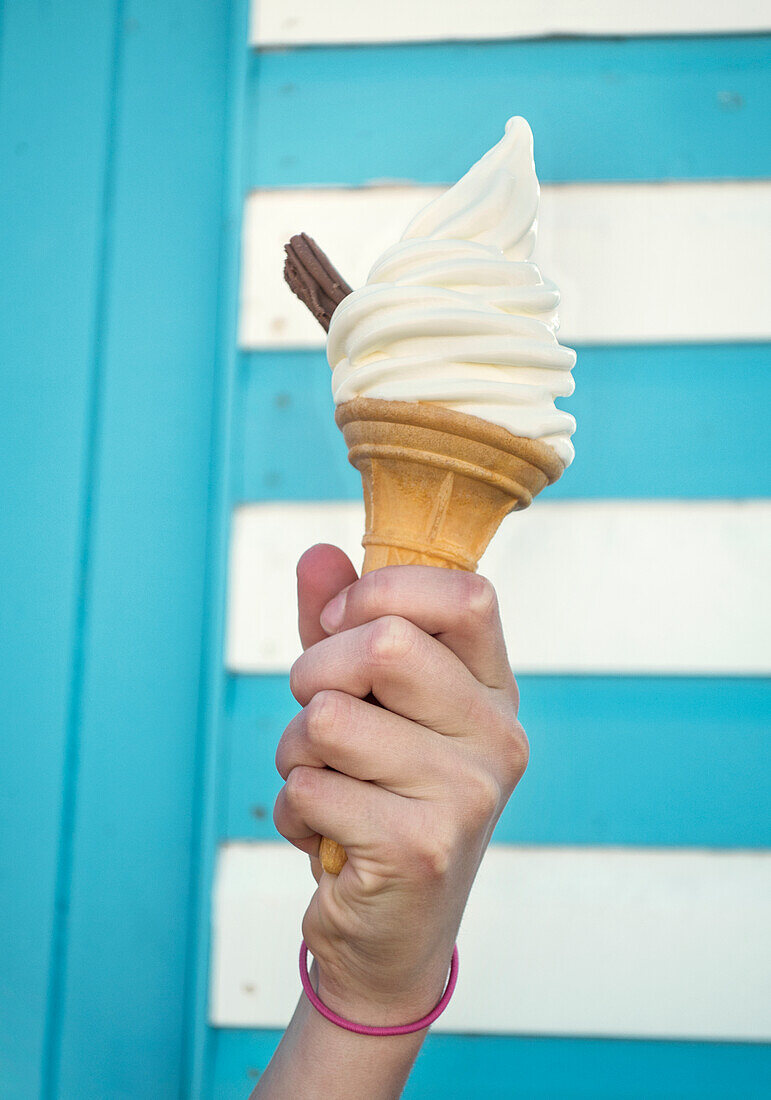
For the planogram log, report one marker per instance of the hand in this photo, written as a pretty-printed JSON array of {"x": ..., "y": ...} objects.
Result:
[{"x": 412, "y": 787}]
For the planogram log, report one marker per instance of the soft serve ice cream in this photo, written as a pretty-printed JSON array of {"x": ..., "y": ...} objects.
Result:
[{"x": 457, "y": 315}]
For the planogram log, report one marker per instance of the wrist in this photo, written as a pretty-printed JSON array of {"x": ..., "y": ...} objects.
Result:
[
  {"x": 391, "y": 1011},
  {"x": 380, "y": 1010},
  {"x": 318, "y": 1060}
]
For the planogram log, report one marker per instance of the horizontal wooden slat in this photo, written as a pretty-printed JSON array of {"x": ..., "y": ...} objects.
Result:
[
  {"x": 667, "y": 587},
  {"x": 306, "y": 22},
  {"x": 456, "y": 1067},
  {"x": 601, "y": 109},
  {"x": 555, "y": 941},
  {"x": 640, "y": 417},
  {"x": 634, "y": 760},
  {"x": 635, "y": 262}
]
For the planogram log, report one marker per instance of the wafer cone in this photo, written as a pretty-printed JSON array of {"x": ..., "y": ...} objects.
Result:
[{"x": 437, "y": 484}]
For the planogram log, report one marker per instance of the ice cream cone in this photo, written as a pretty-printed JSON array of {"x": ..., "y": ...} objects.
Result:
[
  {"x": 454, "y": 314},
  {"x": 437, "y": 484}
]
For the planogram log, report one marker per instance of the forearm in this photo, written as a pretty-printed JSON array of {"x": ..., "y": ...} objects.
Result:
[
  {"x": 411, "y": 787},
  {"x": 320, "y": 1061}
]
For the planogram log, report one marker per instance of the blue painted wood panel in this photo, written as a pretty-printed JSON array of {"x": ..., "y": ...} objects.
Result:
[
  {"x": 198, "y": 1064},
  {"x": 56, "y": 76},
  {"x": 113, "y": 118},
  {"x": 651, "y": 420},
  {"x": 462, "y": 1067},
  {"x": 635, "y": 109},
  {"x": 124, "y": 967},
  {"x": 614, "y": 760}
]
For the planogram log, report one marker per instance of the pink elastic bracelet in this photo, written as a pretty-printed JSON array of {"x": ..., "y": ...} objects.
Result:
[{"x": 365, "y": 1029}]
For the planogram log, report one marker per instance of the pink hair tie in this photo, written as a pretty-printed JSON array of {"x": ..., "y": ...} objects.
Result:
[{"x": 365, "y": 1029}]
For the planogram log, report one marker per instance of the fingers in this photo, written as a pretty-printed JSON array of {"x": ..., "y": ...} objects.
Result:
[
  {"x": 369, "y": 744},
  {"x": 380, "y": 829},
  {"x": 321, "y": 572},
  {"x": 460, "y": 609},
  {"x": 318, "y": 802},
  {"x": 409, "y": 673}
]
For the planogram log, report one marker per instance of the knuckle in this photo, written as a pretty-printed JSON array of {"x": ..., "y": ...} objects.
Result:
[
  {"x": 508, "y": 743},
  {"x": 427, "y": 849},
  {"x": 381, "y": 586},
  {"x": 513, "y": 693},
  {"x": 278, "y": 759},
  {"x": 516, "y": 750},
  {"x": 434, "y": 855},
  {"x": 478, "y": 598},
  {"x": 321, "y": 716},
  {"x": 286, "y": 747},
  {"x": 391, "y": 639},
  {"x": 485, "y": 796},
  {"x": 299, "y": 785},
  {"x": 296, "y": 678}
]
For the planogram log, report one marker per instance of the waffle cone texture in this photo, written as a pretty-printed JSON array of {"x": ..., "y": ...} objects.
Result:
[{"x": 437, "y": 483}]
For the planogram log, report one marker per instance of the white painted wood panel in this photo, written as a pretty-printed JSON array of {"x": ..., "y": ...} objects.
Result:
[
  {"x": 308, "y": 22},
  {"x": 659, "y": 587},
  {"x": 636, "y": 262},
  {"x": 576, "y": 941}
]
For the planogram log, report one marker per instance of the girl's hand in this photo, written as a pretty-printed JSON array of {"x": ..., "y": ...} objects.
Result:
[{"x": 412, "y": 787}]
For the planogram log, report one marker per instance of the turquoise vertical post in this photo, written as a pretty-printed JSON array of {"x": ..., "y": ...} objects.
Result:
[
  {"x": 57, "y": 74},
  {"x": 114, "y": 123}
]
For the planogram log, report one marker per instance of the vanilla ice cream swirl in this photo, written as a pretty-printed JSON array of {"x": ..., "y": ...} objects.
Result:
[{"x": 457, "y": 315}]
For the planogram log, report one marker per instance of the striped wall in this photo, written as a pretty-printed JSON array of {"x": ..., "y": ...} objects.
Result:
[
  {"x": 595, "y": 942},
  {"x": 165, "y": 419},
  {"x": 303, "y": 22},
  {"x": 636, "y": 848},
  {"x": 635, "y": 263},
  {"x": 605, "y": 592}
]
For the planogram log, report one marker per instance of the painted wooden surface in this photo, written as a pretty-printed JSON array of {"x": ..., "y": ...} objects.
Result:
[
  {"x": 142, "y": 634},
  {"x": 605, "y": 592},
  {"x": 635, "y": 263},
  {"x": 630, "y": 109},
  {"x": 651, "y": 420},
  {"x": 49, "y": 338},
  {"x": 619, "y": 760},
  {"x": 304, "y": 22},
  {"x": 452, "y": 1067},
  {"x": 553, "y": 941},
  {"x": 133, "y": 133},
  {"x": 114, "y": 120}
]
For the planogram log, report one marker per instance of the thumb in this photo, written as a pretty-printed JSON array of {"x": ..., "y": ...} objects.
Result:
[{"x": 322, "y": 572}]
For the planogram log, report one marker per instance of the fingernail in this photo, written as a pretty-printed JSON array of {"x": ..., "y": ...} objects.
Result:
[{"x": 331, "y": 617}]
